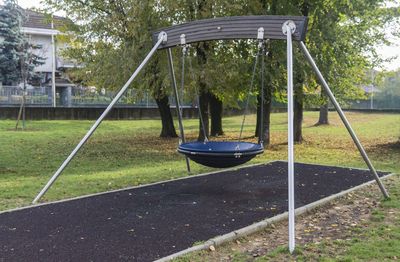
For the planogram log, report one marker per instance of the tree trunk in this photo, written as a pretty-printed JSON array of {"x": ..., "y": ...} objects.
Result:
[
  {"x": 267, "y": 122},
  {"x": 266, "y": 117},
  {"x": 298, "y": 93},
  {"x": 168, "y": 128},
  {"x": 298, "y": 120},
  {"x": 162, "y": 100},
  {"x": 267, "y": 103},
  {"x": 298, "y": 108},
  {"x": 323, "y": 112},
  {"x": 258, "y": 115},
  {"x": 204, "y": 95},
  {"x": 216, "y": 109},
  {"x": 204, "y": 102}
]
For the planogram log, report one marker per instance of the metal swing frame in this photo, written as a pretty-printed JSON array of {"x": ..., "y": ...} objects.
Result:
[{"x": 289, "y": 28}]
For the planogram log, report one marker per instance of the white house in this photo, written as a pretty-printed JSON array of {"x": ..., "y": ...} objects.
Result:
[{"x": 42, "y": 30}]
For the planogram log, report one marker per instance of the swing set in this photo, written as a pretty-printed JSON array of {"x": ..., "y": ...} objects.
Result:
[{"x": 232, "y": 153}]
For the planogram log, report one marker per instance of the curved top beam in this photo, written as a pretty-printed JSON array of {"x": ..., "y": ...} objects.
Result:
[{"x": 235, "y": 27}]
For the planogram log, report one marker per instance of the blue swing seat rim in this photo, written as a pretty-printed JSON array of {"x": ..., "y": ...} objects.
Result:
[
  {"x": 192, "y": 148},
  {"x": 225, "y": 154}
]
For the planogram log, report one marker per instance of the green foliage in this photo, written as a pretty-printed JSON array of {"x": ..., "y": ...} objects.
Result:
[
  {"x": 343, "y": 37},
  {"x": 112, "y": 37}
]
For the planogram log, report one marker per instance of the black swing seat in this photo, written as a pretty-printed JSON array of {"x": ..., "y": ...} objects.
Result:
[{"x": 220, "y": 154}]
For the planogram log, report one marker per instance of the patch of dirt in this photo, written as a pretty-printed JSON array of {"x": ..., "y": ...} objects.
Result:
[
  {"x": 389, "y": 146},
  {"x": 343, "y": 219},
  {"x": 27, "y": 129},
  {"x": 5, "y": 170}
]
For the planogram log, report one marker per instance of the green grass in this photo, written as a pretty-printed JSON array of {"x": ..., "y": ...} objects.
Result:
[
  {"x": 129, "y": 153},
  {"x": 379, "y": 240}
]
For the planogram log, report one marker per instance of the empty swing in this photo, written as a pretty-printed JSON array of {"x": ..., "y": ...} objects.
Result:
[{"x": 223, "y": 154}]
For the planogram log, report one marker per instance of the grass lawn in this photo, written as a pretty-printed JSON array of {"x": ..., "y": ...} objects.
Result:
[{"x": 129, "y": 153}]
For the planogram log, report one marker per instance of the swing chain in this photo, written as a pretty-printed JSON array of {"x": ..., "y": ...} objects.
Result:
[
  {"x": 185, "y": 51},
  {"x": 260, "y": 51}
]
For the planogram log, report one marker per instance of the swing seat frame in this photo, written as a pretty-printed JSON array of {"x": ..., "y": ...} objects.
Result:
[{"x": 220, "y": 154}]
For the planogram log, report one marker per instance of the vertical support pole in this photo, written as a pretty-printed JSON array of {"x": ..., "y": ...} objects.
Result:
[
  {"x": 261, "y": 135},
  {"x": 162, "y": 39},
  {"x": 288, "y": 28},
  {"x": 53, "y": 61},
  {"x": 343, "y": 118},
  {"x": 177, "y": 103},
  {"x": 260, "y": 37},
  {"x": 184, "y": 51}
]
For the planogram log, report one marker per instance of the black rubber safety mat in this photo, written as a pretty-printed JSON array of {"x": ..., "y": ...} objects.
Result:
[{"x": 146, "y": 223}]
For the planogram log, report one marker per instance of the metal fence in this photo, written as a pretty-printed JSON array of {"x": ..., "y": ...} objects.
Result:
[
  {"x": 12, "y": 95},
  {"x": 90, "y": 97},
  {"x": 73, "y": 97},
  {"x": 379, "y": 102}
]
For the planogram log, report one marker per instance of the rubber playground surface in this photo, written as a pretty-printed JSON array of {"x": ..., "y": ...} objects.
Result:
[{"x": 150, "y": 222}]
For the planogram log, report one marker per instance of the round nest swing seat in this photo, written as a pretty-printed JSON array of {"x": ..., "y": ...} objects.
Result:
[{"x": 220, "y": 154}]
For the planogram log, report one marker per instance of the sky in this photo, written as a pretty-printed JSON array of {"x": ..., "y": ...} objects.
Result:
[{"x": 384, "y": 51}]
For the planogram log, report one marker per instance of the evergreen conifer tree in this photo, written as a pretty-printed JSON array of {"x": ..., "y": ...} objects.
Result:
[
  {"x": 17, "y": 56},
  {"x": 11, "y": 42}
]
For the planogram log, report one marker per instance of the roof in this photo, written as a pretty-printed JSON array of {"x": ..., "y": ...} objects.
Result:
[{"x": 40, "y": 20}]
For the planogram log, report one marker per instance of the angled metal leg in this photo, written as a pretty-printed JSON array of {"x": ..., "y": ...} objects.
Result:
[
  {"x": 177, "y": 103},
  {"x": 288, "y": 28},
  {"x": 344, "y": 119},
  {"x": 162, "y": 39}
]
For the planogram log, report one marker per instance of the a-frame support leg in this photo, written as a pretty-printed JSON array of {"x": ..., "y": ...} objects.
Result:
[
  {"x": 161, "y": 39},
  {"x": 344, "y": 119},
  {"x": 177, "y": 103}
]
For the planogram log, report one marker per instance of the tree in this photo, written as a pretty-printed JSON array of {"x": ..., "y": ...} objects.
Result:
[
  {"x": 212, "y": 59},
  {"x": 208, "y": 102},
  {"x": 18, "y": 56},
  {"x": 28, "y": 60},
  {"x": 341, "y": 37},
  {"x": 111, "y": 39},
  {"x": 11, "y": 43},
  {"x": 344, "y": 36}
]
